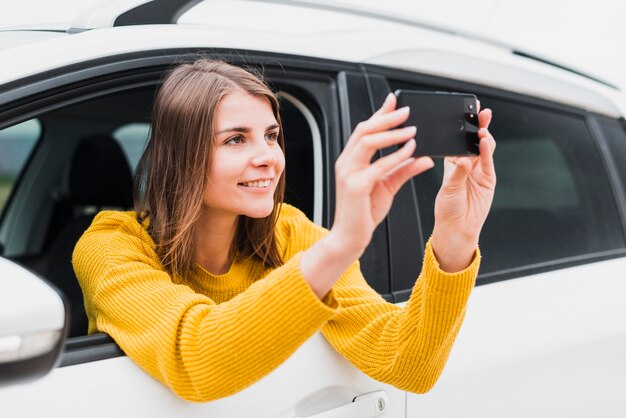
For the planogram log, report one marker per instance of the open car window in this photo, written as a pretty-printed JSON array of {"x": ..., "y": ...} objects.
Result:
[{"x": 88, "y": 154}]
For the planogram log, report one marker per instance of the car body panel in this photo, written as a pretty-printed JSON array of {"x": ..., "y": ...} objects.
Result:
[
  {"x": 313, "y": 380},
  {"x": 552, "y": 344}
]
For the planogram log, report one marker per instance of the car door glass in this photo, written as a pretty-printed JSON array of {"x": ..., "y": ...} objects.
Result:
[
  {"x": 16, "y": 145},
  {"x": 553, "y": 200}
]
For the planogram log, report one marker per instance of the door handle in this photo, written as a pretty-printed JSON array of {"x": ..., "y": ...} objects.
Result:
[{"x": 368, "y": 405}]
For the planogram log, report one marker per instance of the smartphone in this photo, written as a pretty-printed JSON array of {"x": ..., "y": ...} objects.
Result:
[{"x": 447, "y": 123}]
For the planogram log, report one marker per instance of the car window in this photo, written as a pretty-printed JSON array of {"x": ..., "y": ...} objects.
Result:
[
  {"x": 16, "y": 145},
  {"x": 553, "y": 200},
  {"x": 89, "y": 152}
]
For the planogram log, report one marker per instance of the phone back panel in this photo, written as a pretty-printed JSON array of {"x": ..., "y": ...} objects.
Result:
[{"x": 447, "y": 123}]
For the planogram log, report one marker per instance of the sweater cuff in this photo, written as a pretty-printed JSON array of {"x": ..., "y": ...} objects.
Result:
[{"x": 442, "y": 281}]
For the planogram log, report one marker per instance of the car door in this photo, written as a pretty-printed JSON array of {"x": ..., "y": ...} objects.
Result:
[
  {"x": 109, "y": 99},
  {"x": 544, "y": 333}
]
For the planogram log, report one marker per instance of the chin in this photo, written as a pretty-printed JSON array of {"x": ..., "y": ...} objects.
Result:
[{"x": 259, "y": 213}]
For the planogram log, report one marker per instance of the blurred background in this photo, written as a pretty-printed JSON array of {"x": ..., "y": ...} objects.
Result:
[{"x": 587, "y": 36}]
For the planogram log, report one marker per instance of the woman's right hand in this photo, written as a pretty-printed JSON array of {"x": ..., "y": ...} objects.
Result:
[
  {"x": 364, "y": 193},
  {"x": 365, "y": 189}
]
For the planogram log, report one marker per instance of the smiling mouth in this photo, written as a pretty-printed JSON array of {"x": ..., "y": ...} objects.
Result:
[{"x": 257, "y": 184}]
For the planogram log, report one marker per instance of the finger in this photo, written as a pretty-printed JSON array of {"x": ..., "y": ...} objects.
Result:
[
  {"x": 377, "y": 123},
  {"x": 484, "y": 118},
  {"x": 486, "y": 146},
  {"x": 484, "y": 133},
  {"x": 388, "y": 105},
  {"x": 387, "y": 163},
  {"x": 382, "y": 121},
  {"x": 365, "y": 149},
  {"x": 406, "y": 171}
]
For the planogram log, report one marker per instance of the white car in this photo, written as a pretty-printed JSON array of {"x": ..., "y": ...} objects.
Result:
[{"x": 545, "y": 331}]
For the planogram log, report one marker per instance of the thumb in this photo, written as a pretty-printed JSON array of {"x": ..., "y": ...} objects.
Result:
[{"x": 455, "y": 171}]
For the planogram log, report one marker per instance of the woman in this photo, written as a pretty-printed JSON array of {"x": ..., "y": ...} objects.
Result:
[{"x": 212, "y": 282}]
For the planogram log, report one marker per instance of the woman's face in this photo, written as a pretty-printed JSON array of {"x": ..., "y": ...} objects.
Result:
[{"x": 248, "y": 160}]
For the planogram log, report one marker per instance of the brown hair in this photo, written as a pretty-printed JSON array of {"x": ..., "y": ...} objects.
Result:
[{"x": 172, "y": 173}]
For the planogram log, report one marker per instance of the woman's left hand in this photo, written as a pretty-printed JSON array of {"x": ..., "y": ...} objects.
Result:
[{"x": 463, "y": 202}]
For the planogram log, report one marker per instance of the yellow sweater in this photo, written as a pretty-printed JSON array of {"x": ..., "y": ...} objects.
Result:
[{"x": 208, "y": 336}]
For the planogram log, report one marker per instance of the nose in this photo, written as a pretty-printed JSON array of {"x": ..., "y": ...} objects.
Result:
[{"x": 264, "y": 154}]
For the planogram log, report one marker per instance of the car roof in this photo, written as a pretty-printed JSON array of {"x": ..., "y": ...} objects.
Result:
[{"x": 306, "y": 28}]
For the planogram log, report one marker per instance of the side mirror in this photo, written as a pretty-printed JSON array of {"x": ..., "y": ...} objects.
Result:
[{"x": 33, "y": 325}]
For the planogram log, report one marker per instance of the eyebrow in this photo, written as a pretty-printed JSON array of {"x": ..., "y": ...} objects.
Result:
[{"x": 245, "y": 130}]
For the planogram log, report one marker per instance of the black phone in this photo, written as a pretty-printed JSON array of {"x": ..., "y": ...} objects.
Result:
[{"x": 447, "y": 122}]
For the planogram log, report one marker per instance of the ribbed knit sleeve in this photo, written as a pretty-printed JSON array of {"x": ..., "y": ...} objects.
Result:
[
  {"x": 408, "y": 346},
  {"x": 200, "y": 349}
]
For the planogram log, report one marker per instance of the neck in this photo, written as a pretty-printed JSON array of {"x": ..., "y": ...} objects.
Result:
[{"x": 214, "y": 236}]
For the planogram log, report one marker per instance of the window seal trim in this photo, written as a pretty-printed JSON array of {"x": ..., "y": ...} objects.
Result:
[
  {"x": 318, "y": 165},
  {"x": 89, "y": 348},
  {"x": 532, "y": 269},
  {"x": 549, "y": 266}
]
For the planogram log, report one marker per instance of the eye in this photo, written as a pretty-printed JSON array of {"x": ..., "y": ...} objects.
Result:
[
  {"x": 235, "y": 140},
  {"x": 272, "y": 136}
]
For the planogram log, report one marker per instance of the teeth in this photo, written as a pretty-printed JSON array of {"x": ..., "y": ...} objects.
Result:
[{"x": 262, "y": 183}]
